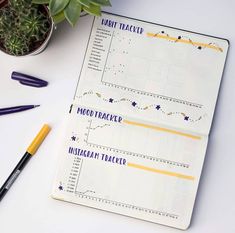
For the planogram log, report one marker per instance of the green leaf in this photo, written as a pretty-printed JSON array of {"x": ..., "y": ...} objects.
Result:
[
  {"x": 72, "y": 12},
  {"x": 41, "y": 1},
  {"x": 101, "y": 2},
  {"x": 59, "y": 17},
  {"x": 56, "y": 6},
  {"x": 85, "y": 2},
  {"x": 93, "y": 10}
]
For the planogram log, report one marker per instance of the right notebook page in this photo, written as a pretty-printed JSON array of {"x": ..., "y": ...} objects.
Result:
[{"x": 138, "y": 128}]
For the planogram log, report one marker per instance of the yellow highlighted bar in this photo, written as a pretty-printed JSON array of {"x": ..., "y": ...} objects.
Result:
[
  {"x": 163, "y": 172},
  {"x": 162, "y": 129},
  {"x": 185, "y": 41},
  {"x": 38, "y": 139}
]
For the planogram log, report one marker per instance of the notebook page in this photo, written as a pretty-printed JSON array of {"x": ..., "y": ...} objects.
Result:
[
  {"x": 152, "y": 72},
  {"x": 129, "y": 166}
]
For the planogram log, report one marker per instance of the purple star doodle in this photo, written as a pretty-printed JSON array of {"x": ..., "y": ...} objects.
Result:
[
  {"x": 73, "y": 138},
  {"x": 186, "y": 118},
  {"x": 133, "y": 103},
  {"x": 110, "y": 100},
  {"x": 60, "y": 187},
  {"x": 158, "y": 107}
]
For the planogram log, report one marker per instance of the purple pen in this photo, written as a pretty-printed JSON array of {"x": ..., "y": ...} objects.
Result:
[{"x": 4, "y": 111}]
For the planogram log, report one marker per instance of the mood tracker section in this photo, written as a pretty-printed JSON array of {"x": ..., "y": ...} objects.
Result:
[
  {"x": 152, "y": 72},
  {"x": 128, "y": 166}
]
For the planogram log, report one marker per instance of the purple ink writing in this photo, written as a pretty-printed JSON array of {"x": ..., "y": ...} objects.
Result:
[
  {"x": 83, "y": 153},
  {"x": 131, "y": 28},
  {"x": 122, "y": 26},
  {"x": 95, "y": 155},
  {"x": 99, "y": 114},
  {"x": 113, "y": 159},
  {"x": 109, "y": 23}
]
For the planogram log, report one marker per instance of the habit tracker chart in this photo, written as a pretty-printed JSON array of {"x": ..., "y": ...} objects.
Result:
[{"x": 138, "y": 127}]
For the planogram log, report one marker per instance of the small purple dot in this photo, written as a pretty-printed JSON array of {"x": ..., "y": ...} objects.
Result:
[{"x": 60, "y": 187}]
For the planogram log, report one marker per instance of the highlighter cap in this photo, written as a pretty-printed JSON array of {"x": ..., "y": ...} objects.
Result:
[{"x": 38, "y": 139}]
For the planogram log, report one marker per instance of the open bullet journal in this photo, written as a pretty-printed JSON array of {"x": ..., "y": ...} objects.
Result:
[{"x": 138, "y": 126}]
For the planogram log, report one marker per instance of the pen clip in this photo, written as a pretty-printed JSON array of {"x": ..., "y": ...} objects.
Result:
[{"x": 33, "y": 84}]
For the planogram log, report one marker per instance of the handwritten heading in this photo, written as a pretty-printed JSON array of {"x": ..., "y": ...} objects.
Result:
[
  {"x": 96, "y": 155},
  {"x": 99, "y": 114},
  {"x": 122, "y": 26}
]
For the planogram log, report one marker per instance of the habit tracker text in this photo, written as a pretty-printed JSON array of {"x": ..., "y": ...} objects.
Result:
[{"x": 122, "y": 26}]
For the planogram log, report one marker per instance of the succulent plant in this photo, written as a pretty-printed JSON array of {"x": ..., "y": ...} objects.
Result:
[
  {"x": 71, "y": 9},
  {"x": 6, "y": 20},
  {"x": 34, "y": 24},
  {"x": 19, "y": 5},
  {"x": 2, "y": 23},
  {"x": 22, "y": 23},
  {"x": 16, "y": 44}
]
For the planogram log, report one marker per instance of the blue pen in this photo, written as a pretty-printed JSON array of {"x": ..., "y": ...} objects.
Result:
[{"x": 4, "y": 111}]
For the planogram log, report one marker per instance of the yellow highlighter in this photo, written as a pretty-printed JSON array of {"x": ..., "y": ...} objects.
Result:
[{"x": 28, "y": 154}]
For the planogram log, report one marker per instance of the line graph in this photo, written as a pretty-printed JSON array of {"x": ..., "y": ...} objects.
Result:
[
  {"x": 99, "y": 126},
  {"x": 174, "y": 154}
]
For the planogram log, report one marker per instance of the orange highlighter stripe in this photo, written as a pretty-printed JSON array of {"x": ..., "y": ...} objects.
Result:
[
  {"x": 163, "y": 172},
  {"x": 185, "y": 41},
  {"x": 162, "y": 129}
]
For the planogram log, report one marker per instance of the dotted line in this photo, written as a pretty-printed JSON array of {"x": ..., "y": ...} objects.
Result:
[
  {"x": 134, "y": 104},
  {"x": 99, "y": 126}
]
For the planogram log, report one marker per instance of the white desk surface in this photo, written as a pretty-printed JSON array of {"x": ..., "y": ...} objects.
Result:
[{"x": 28, "y": 207}]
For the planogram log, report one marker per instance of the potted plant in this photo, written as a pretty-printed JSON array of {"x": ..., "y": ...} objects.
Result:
[
  {"x": 26, "y": 25},
  {"x": 25, "y": 28}
]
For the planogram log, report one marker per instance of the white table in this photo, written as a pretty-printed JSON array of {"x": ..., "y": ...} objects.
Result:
[{"x": 28, "y": 207}]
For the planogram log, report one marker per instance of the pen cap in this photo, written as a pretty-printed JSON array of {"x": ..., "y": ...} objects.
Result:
[{"x": 38, "y": 139}]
